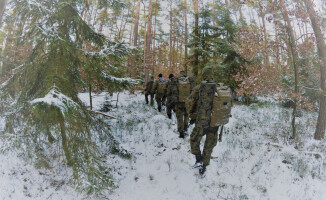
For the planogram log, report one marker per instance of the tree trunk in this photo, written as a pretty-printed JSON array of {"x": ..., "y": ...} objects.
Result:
[
  {"x": 186, "y": 37},
  {"x": 196, "y": 29},
  {"x": 64, "y": 139},
  {"x": 262, "y": 15},
  {"x": 134, "y": 66},
  {"x": 2, "y": 9},
  {"x": 227, "y": 5},
  {"x": 171, "y": 29},
  {"x": 321, "y": 46},
  {"x": 90, "y": 97},
  {"x": 154, "y": 47},
  {"x": 295, "y": 60},
  {"x": 148, "y": 42}
]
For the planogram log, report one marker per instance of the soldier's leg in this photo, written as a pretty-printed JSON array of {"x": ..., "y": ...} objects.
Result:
[
  {"x": 179, "y": 113},
  {"x": 195, "y": 138},
  {"x": 185, "y": 118},
  {"x": 164, "y": 101},
  {"x": 169, "y": 111},
  {"x": 152, "y": 99},
  {"x": 210, "y": 143},
  {"x": 146, "y": 97},
  {"x": 159, "y": 103}
]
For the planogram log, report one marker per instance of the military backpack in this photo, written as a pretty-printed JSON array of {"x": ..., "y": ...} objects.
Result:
[
  {"x": 205, "y": 103},
  {"x": 214, "y": 105},
  {"x": 161, "y": 87},
  {"x": 221, "y": 111},
  {"x": 183, "y": 88}
]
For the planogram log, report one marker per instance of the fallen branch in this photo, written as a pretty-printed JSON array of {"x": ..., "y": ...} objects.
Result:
[{"x": 100, "y": 113}]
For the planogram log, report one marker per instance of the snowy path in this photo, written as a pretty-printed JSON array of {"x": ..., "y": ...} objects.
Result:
[
  {"x": 244, "y": 166},
  {"x": 252, "y": 162}
]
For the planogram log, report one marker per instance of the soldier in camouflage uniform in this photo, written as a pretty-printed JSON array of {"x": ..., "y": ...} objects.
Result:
[
  {"x": 158, "y": 90},
  {"x": 193, "y": 113},
  {"x": 202, "y": 127},
  {"x": 148, "y": 89},
  {"x": 169, "y": 97},
  {"x": 181, "y": 112}
]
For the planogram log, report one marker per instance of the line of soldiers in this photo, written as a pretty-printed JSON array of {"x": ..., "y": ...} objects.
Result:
[{"x": 181, "y": 95}]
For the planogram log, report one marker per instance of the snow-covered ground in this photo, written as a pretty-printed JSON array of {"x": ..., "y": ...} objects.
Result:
[{"x": 255, "y": 160}]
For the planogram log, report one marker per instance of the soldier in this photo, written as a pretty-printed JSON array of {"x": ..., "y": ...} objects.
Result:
[
  {"x": 183, "y": 88},
  {"x": 193, "y": 113},
  {"x": 148, "y": 89},
  {"x": 202, "y": 98},
  {"x": 158, "y": 89},
  {"x": 169, "y": 98}
]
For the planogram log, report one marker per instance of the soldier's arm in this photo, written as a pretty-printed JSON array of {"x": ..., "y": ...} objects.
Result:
[
  {"x": 147, "y": 86},
  {"x": 192, "y": 99},
  {"x": 166, "y": 89},
  {"x": 154, "y": 87}
]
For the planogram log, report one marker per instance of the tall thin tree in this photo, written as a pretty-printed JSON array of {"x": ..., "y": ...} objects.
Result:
[
  {"x": 321, "y": 46},
  {"x": 148, "y": 41},
  {"x": 295, "y": 62}
]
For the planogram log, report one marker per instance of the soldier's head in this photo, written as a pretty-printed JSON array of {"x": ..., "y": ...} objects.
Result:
[
  {"x": 183, "y": 73},
  {"x": 170, "y": 76},
  {"x": 160, "y": 75},
  {"x": 207, "y": 74},
  {"x": 151, "y": 77}
]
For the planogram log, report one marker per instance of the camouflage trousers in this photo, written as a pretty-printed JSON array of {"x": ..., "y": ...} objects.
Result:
[
  {"x": 182, "y": 116},
  {"x": 160, "y": 100},
  {"x": 210, "y": 142},
  {"x": 146, "y": 97},
  {"x": 169, "y": 109}
]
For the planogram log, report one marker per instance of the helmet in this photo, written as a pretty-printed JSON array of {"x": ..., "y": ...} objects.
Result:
[
  {"x": 183, "y": 73},
  {"x": 207, "y": 74}
]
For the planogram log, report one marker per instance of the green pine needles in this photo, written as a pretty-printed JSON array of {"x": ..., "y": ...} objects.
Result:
[{"x": 39, "y": 98}]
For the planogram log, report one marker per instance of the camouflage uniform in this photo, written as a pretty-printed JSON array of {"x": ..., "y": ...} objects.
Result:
[
  {"x": 181, "y": 112},
  {"x": 159, "y": 97},
  {"x": 192, "y": 114},
  {"x": 148, "y": 89},
  {"x": 171, "y": 93},
  {"x": 204, "y": 108}
]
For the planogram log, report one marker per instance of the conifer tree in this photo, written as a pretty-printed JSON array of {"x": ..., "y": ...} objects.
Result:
[{"x": 41, "y": 93}]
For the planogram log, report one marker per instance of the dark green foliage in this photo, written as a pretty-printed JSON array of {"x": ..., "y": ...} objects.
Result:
[
  {"x": 216, "y": 46},
  {"x": 66, "y": 54}
]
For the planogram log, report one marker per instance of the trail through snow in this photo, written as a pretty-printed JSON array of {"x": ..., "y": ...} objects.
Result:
[
  {"x": 252, "y": 161},
  {"x": 255, "y": 160}
]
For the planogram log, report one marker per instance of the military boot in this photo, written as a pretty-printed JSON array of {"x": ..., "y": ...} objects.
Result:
[
  {"x": 185, "y": 127},
  {"x": 199, "y": 162},
  {"x": 192, "y": 121},
  {"x": 202, "y": 170},
  {"x": 182, "y": 134},
  {"x": 170, "y": 116},
  {"x": 159, "y": 109}
]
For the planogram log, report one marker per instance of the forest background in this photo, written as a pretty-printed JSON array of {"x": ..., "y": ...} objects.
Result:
[{"x": 53, "y": 49}]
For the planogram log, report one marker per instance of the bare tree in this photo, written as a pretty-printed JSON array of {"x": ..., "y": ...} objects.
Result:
[
  {"x": 295, "y": 60},
  {"x": 148, "y": 42},
  {"x": 321, "y": 46},
  {"x": 2, "y": 9},
  {"x": 136, "y": 37},
  {"x": 186, "y": 35}
]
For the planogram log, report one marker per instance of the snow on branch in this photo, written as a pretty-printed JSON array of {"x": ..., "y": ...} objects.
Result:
[
  {"x": 130, "y": 81},
  {"x": 112, "y": 49},
  {"x": 57, "y": 99}
]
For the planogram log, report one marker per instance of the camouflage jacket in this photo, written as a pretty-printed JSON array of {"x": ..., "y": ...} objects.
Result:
[
  {"x": 192, "y": 101},
  {"x": 155, "y": 85},
  {"x": 171, "y": 91},
  {"x": 149, "y": 86}
]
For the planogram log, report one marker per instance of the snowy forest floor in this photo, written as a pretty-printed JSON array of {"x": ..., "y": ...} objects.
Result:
[{"x": 255, "y": 160}]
